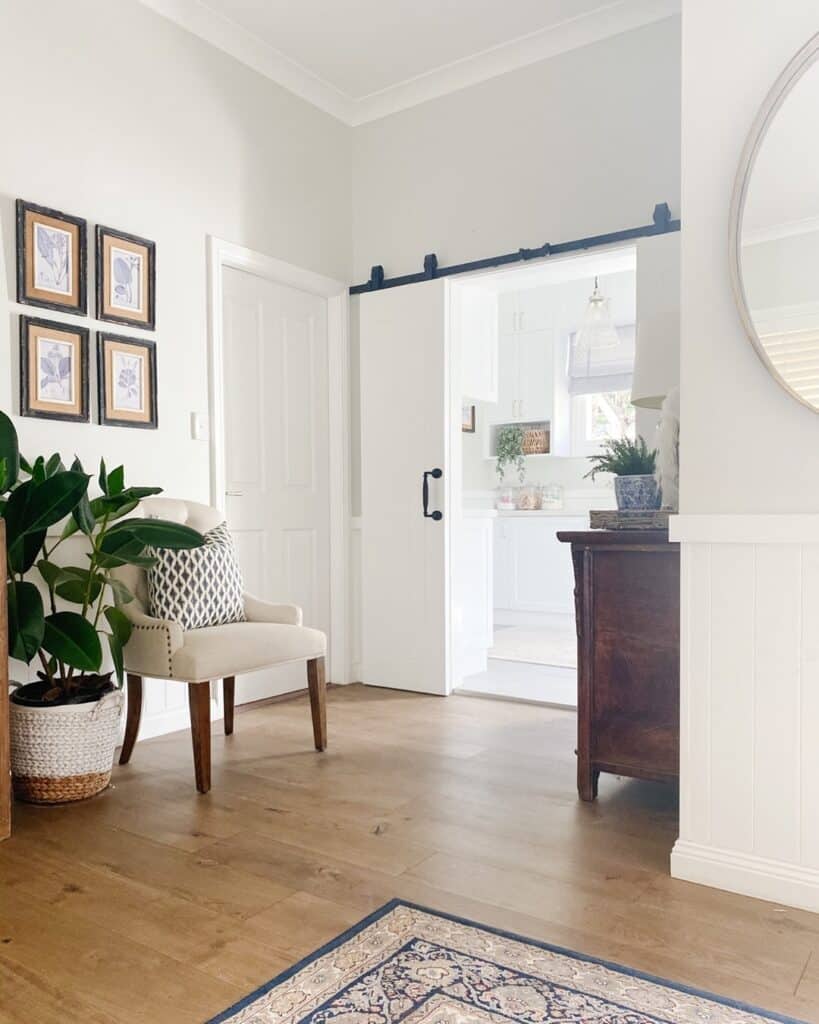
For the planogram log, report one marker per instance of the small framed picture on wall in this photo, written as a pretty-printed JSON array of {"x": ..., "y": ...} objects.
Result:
[
  {"x": 468, "y": 419},
  {"x": 53, "y": 370},
  {"x": 126, "y": 278},
  {"x": 126, "y": 381},
  {"x": 52, "y": 258}
]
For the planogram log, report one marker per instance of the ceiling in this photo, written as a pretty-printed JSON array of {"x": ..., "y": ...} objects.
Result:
[{"x": 363, "y": 59}]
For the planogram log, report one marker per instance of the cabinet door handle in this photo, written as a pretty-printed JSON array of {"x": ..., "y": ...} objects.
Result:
[{"x": 436, "y": 474}]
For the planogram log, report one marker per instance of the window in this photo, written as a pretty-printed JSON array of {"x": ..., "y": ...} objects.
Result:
[{"x": 599, "y": 416}]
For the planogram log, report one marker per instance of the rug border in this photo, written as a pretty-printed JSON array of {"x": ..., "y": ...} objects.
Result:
[{"x": 391, "y": 905}]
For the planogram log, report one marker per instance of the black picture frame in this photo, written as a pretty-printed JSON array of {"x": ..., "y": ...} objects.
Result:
[
  {"x": 24, "y": 295},
  {"x": 147, "y": 323},
  {"x": 103, "y": 418},
  {"x": 26, "y": 407}
]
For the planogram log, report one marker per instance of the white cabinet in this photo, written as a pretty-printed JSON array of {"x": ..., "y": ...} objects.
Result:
[
  {"x": 533, "y": 570},
  {"x": 475, "y": 320},
  {"x": 473, "y": 591},
  {"x": 525, "y": 377}
]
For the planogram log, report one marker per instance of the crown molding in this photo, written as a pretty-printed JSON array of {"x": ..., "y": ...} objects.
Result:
[
  {"x": 609, "y": 19},
  {"x": 754, "y": 236}
]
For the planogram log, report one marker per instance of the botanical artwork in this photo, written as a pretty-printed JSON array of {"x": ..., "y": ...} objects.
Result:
[
  {"x": 55, "y": 372},
  {"x": 126, "y": 279},
  {"x": 126, "y": 381},
  {"x": 52, "y": 259},
  {"x": 127, "y": 373}
]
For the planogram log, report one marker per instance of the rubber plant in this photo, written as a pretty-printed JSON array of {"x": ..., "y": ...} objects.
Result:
[{"x": 67, "y": 642}]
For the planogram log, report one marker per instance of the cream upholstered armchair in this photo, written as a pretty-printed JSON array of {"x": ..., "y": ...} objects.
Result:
[{"x": 159, "y": 648}]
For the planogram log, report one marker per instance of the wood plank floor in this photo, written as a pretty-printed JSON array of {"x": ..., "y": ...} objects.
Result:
[{"x": 152, "y": 903}]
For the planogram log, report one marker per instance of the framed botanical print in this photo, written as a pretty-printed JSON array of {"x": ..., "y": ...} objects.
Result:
[
  {"x": 52, "y": 258},
  {"x": 126, "y": 381},
  {"x": 53, "y": 370},
  {"x": 468, "y": 419},
  {"x": 126, "y": 279}
]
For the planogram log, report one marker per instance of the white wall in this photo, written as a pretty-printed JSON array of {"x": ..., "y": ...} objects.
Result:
[
  {"x": 585, "y": 142},
  {"x": 582, "y": 143},
  {"x": 121, "y": 117},
  {"x": 131, "y": 122},
  {"x": 750, "y": 672},
  {"x": 747, "y": 446}
]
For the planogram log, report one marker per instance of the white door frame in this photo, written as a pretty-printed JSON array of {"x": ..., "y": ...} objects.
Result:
[{"x": 221, "y": 255}]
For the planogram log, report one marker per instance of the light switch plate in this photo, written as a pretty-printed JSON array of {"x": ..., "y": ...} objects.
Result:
[{"x": 200, "y": 426}]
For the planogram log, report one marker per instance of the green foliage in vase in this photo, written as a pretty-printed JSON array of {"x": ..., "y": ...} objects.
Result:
[
  {"x": 510, "y": 451},
  {"x": 623, "y": 457},
  {"x": 34, "y": 497}
]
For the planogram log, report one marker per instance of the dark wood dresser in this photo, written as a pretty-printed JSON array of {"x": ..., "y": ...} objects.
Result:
[{"x": 627, "y": 601}]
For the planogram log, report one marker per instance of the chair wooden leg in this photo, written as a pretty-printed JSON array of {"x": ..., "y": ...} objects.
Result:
[
  {"x": 318, "y": 704},
  {"x": 133, "y": 716},
  {"x": 229, "y": 700},
  {"x": 199, "y": 702}
]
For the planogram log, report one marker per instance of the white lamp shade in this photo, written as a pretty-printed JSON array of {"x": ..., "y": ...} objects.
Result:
[{"x": 657, "y": 354}]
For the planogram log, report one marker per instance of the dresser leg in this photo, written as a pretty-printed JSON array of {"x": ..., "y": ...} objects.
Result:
[{"x": 587, "y": 783}]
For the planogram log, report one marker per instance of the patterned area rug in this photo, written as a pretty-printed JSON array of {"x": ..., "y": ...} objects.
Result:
[{"x": 413, "y": 965}]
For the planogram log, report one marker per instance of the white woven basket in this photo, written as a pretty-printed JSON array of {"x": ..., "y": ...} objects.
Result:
[{"x": 64, "y": 753}]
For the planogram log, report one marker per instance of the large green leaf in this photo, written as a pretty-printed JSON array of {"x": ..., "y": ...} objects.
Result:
[
  {"x": 159, "y": 533},
  {"x": 120, "y": 633},
  {"x": 116, "y": 481},
  {"x": 54, "y": 465},
  {"x": 73, "y": 640},
  {"x": 103, "y": 477},
  {"x": 50, "y": 572},
  {"x": 119, "y": 549},
  {"x": 82, "y": 514},
  {"x": 9, "y": 450},
  {"x": 35, "y": 506},
  {"x": 23, "y": 554},
  {"x": 122, "y": 595},
  {"x": 120, "y": 624},
  {"x": 26, "y": 622},
  {"x": 115, "y": 647},
  {"x": 78, "y": 585}
]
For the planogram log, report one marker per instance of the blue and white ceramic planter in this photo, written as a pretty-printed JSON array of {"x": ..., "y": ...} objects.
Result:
[{"x": 636, "y": 492}]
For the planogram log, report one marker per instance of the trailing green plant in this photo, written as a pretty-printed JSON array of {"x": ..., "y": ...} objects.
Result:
[
  {"x": 34, "y": 497},
  {"x": 623, "y": 457},
  {"x": 510, "y": 451}
]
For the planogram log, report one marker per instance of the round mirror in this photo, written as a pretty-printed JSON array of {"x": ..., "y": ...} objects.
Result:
[{"x": 775, "y": 229}]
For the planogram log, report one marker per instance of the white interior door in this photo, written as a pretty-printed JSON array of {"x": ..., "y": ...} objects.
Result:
[
  {"x": 406, "y": 417},
  {"x": 277, "y": 452}
]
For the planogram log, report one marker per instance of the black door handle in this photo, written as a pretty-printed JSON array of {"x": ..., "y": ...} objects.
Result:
[{"x": 436, "y": 474}]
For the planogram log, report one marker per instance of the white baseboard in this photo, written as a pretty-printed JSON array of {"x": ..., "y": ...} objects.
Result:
[{"x": 746, "y": 874}]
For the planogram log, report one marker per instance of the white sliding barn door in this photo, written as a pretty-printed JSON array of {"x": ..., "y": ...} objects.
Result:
[
  {"x": 406, "y": 413},
  {"x": 277, "y": 452}
]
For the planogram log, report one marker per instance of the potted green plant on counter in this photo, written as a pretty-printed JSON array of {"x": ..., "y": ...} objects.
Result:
[
  {"x": 509, "y": 451},
  {"x": 62, "y": 607},
  {"x": 632, "y": 464}
]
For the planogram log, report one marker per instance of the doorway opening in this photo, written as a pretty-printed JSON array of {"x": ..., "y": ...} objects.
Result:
[{"x": 533, "y": 410}]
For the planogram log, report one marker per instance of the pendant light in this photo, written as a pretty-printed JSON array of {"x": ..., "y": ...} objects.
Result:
[{"x": 597, "y": 334}]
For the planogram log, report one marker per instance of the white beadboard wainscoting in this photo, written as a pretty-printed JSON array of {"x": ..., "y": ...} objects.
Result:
[{"x": 749, "y": 771}]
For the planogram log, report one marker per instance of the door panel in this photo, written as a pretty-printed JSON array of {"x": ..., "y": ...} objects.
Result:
[
  {"x": 276, "y": 452},
  {"x": 535, "y": 370},
  {"x": 406, "y": 410}
]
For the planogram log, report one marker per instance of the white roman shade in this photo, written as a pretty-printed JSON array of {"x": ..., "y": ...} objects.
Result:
[{"x": 609, "y": 369}]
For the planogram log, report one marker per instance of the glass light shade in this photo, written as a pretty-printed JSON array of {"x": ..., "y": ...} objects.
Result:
[{"x": 597, "y": 333}]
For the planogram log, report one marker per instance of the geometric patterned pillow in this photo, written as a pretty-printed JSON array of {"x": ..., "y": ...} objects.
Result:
[{"x": 199, "y": 587}]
